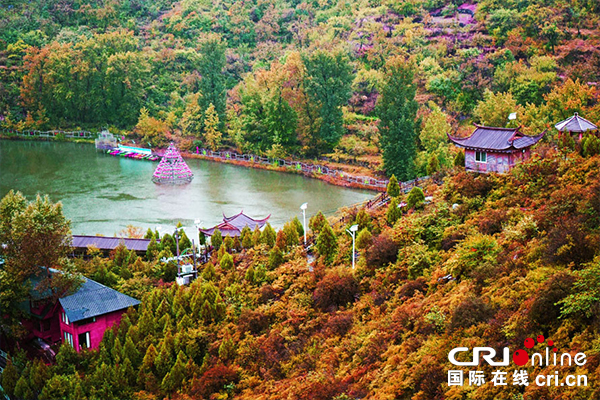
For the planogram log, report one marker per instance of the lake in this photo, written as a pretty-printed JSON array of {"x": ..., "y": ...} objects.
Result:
[{"x": 102, "y": 194}]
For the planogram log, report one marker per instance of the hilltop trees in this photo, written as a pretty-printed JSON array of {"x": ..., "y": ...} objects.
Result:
[
  {"x": 267, "y": 114},
  {"x": 397, "y": 110},
  {"x": 327, "y": 84},
  {"x": 88, "y": 81},
  {"x": 212, "y": 81}
]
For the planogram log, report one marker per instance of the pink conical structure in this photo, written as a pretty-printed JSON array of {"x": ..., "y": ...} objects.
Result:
[{"x": 172, "y": 168}]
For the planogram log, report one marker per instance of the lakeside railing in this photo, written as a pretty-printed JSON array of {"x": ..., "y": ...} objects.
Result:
[
  {"x": 307, "y": 168},
  {"x": 50, "y": 134}
]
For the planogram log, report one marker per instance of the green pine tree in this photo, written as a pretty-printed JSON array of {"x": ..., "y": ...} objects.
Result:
[
  {"x": 247, "y": 238},
  {"x": 174, "y": 378},
  {"x": 209, "y": 273},
  {"x": 212, "y": 134},
  {"x": 212, "y": 85},
  {"x": 397, "y": 110},
  {"x": 10, "y": 376},
  {"x": 256, "y": 236},
  {"x": 268, "y": 236},
  {"x": 328, "y": 85},
  {"x": 226, "y": 262},
  {"x": 216, "y": 239},
  {"x": 290, "y": 229},
  {"x": 327, "y": 244},
  {"x": 152, "y": 250},
  {"x": 393, "y": 188},
  {"x": 299, "y": 227},
  {"x": 416, "y": 198},
  {"x": 393, "y": 213},
  {"x": 275, "y": 257},
  {"x": 184, "y": 242}
]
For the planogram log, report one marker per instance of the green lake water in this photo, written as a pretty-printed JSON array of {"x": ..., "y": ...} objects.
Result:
[{"x": 102, "y": 194}]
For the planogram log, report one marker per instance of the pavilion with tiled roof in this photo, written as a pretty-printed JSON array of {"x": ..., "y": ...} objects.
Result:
[
  {"x": 576, "y": 124},
  {"x": 232, "y": 226},
  {"x": 493, "y": 149}
]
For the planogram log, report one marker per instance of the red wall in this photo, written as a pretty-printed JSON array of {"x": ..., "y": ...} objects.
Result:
[
  {"x": 51, "y": 335},
  {"x": 96, "y": 329},
  {"x": 496, "y": 162}
]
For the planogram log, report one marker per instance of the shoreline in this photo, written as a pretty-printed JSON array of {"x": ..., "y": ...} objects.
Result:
[
  {"x": 314, "y": 174},
  {"x": 286, "y": 169}
]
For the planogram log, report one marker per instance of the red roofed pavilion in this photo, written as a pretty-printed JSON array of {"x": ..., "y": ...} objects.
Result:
[
  {"x": 492, "y": 149},
  {"x": 232, "y": 226}
]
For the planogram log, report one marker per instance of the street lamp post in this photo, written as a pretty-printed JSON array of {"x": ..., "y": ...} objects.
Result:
[
  {"x": 197, "y": 225},
  {"x": 176, "y": 234},
  {"x": 352, "y": 232},
  {"x": 303, "y": 208}
]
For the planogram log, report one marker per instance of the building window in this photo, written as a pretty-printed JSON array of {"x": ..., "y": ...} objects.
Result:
[
  {"x": 85, "y": 321},
  {"x": 69, "y": 338},
  {"x": 84, "y": 340},
  {"x": 481, "y": 156},
  {"x": 64, "y": 318}
]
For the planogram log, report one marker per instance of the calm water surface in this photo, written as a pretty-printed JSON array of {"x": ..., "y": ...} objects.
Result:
[{"x": 103, "y": 194}]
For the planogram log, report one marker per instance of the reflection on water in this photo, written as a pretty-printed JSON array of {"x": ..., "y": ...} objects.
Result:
[{"x": 103, "y": 194}]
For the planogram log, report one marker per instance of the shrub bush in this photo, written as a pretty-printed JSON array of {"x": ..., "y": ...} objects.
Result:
[
  {"x": 339, "y": 324},
  {"x": 491, "y": 222},
  {"x": 213, "y": 381},
  {"x": 411, "y": 287},
  {"x": 471, "y": 311},
  {"x": 383, "y": 251},
  {"x": 252, "y": 321},
  {"x": 335, "y": 290},
  {"x": 416, "y": 198},
  {"x": 544, "y": 311}
]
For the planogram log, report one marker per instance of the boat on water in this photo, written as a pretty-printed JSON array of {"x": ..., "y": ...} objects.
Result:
[{"x": 136, "y": 153}]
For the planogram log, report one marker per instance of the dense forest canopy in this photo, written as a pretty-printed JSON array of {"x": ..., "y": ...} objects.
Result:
[{"x": 294, "y": 77}]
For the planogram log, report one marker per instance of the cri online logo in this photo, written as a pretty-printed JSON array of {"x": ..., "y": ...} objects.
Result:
[{"x": 519, "y": 357}]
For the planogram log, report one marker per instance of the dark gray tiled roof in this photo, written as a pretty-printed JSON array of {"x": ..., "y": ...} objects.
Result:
[
  {"x": 575, "y": 124},
  {"x": 93, "y": 299},
  {"x": 109, "y": 243},
  {"x": 498, "y": 139}
]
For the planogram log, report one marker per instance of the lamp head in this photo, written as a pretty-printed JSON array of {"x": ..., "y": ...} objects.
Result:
[
  {"x": 354, "y": 228},
  {"x": 304, "y": 206}
]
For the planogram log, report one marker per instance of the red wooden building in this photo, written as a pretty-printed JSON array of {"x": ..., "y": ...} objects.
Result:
[
  {"x": 79, "y": 319},
  {"x": 491, "y": 149}
]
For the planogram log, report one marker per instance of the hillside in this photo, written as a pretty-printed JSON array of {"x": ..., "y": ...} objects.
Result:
[
  {"x": 68, "y": 64},
  {"x": 491, "y": 261}
]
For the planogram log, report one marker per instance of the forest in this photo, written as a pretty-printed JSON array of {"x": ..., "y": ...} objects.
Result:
[
  {"x": 377, "y": 83},
  {"x": 487, "y": 260}
]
